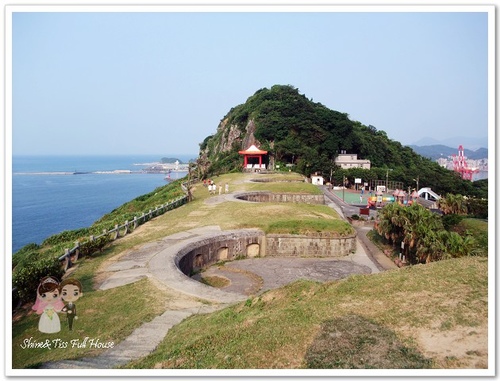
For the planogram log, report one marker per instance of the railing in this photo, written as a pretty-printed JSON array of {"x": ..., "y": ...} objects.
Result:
[{"x": 71, "y": 255}]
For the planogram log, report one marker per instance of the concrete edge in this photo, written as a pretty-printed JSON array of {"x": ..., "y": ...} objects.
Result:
[{"x": 164, "y": 267}]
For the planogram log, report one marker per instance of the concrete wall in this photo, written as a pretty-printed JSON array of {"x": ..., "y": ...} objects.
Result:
[
  {"x": 245, "y": 243},
  {"x": 249, "y": 243},
  {"x": 290, "y": 245},
  {"x": 283, "y": 197}
]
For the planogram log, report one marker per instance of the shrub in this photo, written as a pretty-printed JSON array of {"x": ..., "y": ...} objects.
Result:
[
  {"x": 25, "y": 254},
  {"x": 477, "y": 207},
  {"x": 451, "y": 220},
  {"x": 65, "y": 236},
  {"x": 26, "y": 279},
  {"x": 89, "y": 248}
]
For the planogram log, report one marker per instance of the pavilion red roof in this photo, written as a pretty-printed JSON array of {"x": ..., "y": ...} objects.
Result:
[{"x": 252, "y": 150}]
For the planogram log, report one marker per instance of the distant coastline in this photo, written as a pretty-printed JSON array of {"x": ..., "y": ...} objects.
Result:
[{"x": 44, "y": 190}]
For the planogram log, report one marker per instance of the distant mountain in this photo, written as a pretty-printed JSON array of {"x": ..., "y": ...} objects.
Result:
[
  {"x": 471, "y": 143},
  {"x": 436, "y": 151}
]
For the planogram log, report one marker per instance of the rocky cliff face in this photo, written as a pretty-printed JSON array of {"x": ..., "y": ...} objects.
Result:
[
  {"x": 249, "y": 138},
  {"x": 229, "y": 138}
]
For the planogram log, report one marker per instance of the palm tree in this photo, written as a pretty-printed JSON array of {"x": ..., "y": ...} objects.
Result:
[
  {"x": 417, "y": 227},
  {"x": 391, "y": 223},
  {"x": 453, "y": 204},
  {"x": 431, "y": 247}
]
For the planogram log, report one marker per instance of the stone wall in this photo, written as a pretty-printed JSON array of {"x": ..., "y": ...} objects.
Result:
[
  {"x": 245, "y": 243},
  {"x": 283, "y": 197},
  {"x": 249, "y": 243},
  {"x": 290, "y": 245}
]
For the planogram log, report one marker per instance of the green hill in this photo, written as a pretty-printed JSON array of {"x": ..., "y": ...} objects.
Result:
[{"x": 295, "y": 130}]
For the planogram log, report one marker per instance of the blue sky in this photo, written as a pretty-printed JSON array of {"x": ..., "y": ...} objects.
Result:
[{"x": 127, "y": 83}]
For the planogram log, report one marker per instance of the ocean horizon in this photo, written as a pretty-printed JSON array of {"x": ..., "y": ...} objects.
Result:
[{"x": 48, "y": 197}]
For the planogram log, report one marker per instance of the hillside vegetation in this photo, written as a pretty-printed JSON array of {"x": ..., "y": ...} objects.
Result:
[{"x": 295, "y": 130}]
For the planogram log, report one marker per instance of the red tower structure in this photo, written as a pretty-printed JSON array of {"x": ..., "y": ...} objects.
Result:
[{"x": 460, "y": 165}]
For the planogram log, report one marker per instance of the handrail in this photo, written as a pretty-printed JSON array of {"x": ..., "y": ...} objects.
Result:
[{"x": 71, "y": 255}]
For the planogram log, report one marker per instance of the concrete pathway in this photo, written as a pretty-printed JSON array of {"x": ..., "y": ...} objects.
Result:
[{"x": 246, "y": 277}]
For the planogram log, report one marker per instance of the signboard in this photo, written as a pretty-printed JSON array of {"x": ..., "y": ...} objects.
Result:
[{"x": 357, "y": 181}]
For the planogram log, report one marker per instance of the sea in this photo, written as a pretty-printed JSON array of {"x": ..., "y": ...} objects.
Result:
[{"x": 51, "y": 194}]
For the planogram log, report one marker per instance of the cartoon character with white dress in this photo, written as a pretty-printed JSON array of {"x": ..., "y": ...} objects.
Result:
[{"x": 48, "y": 304}]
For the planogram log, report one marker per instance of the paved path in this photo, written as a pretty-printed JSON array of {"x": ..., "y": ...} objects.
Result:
[
  {"x": 344, "y": 209},
  {"x": 246, "y": 277}
]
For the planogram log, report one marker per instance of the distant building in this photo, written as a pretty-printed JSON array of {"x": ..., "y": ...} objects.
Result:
[
  {"x": 317, "y": 180},
  {"x": 350, "y": 160}
]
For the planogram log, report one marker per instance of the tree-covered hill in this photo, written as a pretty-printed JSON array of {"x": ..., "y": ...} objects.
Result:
[{"x": 295, "y": 130}]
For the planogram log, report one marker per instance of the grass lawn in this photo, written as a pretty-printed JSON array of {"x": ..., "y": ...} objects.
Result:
[{"x": 290, "y": 327}]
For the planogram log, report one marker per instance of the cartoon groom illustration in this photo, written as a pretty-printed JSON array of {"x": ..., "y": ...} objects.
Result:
[{"x": 71, "y": 291}]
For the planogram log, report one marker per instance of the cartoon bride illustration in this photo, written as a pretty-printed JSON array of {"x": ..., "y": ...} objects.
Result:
[{"x": 48, "y": 303}]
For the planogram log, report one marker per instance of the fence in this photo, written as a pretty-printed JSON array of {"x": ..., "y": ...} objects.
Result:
[
  {"x": 71, "y": 255},
  {"x": 389, "y": 184}
]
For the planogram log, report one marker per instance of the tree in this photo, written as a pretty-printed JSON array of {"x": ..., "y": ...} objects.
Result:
[
  {"x": 453, "y": 204},
  {"x": 423, "y": 234}
]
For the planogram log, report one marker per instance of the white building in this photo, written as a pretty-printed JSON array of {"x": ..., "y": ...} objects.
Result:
[
  {"x": 350, "y": 160},
  {"x": 317, "y": 180}
]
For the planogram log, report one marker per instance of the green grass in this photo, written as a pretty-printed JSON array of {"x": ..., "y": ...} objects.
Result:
[
  {"x": 365, "y": 321},
  {"x": 100, "y": 316},
  {"x": 311, "y": 227},
  {"x": 215, "y": 281},
  {"x": 285, "y": 187}
]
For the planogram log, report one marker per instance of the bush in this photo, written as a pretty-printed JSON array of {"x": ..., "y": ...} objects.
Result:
[
  {"x": 26, "y": 279},
  {"x": 65, "y": 236},
  {"x": 33, "y": 262},
  {"x": 451, "y": 220},
  {"x": 89, "y": 248},
  {"x": 25, "y": 254},
  {"x": 477, "y": 207},
  {"x": 25, "y": 258}
]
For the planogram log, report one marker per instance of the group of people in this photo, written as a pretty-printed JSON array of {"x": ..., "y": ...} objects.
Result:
[
  {"x": 212, "y": 187},
  {"x": 50, "y": 300}
]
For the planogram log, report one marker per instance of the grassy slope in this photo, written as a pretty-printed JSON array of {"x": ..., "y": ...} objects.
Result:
[
  {"x": 304, "y": 307},
  {"x": 285, "y": 328}
]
